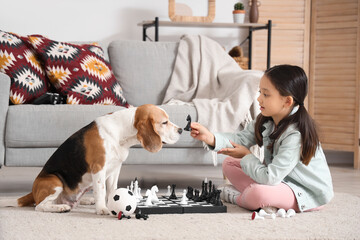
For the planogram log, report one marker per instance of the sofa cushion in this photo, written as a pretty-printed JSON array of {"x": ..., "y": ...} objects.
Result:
[
  {"x": 18, "y": 61},
  {"x": 79, "y": 71},
  {"x": 143, "y": 69},
  {"x": 50, "y": 125}
]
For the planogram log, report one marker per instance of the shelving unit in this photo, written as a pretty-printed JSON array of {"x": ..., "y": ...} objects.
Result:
[{"x": 251, "y": 26}]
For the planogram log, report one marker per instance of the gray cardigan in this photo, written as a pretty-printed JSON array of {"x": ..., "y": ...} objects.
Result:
[{"x": 312, "y": 184}]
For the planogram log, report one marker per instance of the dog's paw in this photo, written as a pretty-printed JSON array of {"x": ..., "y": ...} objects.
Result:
[
  {"x": 102, "y": 211},
  {"x": 58, "y": 208},
  {"x": 64, "y": 208},
  {"x": 87, "y": 201}
]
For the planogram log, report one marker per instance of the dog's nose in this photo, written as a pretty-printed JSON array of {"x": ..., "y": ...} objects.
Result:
[{"x": 180, "y": 130}]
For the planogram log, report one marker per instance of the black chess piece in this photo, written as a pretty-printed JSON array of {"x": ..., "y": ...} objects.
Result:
[
  {"x": 139, "y": 215},
  {"x": 204, "y": 192},
  {"x": 173, "y": 195},
  {"x": 211, "y": 192},
  {"x": 190, "y": 193},
  {"x": 213, "y": 195},
  {"x": 188, "y": 128},
  {"x": 196, "y": 198},
  {"x": 218, "y": 201}
]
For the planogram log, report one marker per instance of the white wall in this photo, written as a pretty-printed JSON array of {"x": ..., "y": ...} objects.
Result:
[{"x": 106, "y": 20}]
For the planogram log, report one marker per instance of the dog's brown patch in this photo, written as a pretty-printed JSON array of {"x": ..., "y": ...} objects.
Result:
[
  {"x": 94, "y": 149},
  {"x": 44, "y": 185}
]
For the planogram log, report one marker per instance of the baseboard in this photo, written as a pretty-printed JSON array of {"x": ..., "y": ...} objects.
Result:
[{"x": 338, "y": 157}]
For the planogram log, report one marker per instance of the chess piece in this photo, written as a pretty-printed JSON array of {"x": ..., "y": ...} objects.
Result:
[
  {"x": 139, "y": 215},
  {"x": 154, "y": 190},
  {"x": 210, "y": 186},
  {"x": 204, "y": 193},
  {"x": 168, "y": 191},
  {"x": 190, "y": 193},
  {"x": 173, "y": 195},
  {"x": 188, "y": 128},
  {"x": 213, "y": 195},
  {"x": 131, "y": 186},
  {"x": 281, "y": 213},
  {"x": 264, "y": 214},
  {"x": 290, "y": 213},
  {"x": 149, "y": 199},
  {"x": 210, "y": 194},
  {"x": 218, "y": 201},
  {"x": 184, "y": 200},
  {"x": 136, "y": 191},
  {"x": 139, "y": 194},
  {"x": 196, "y": 198}
]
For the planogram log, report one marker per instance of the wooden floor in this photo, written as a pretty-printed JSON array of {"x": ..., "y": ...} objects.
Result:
[{"x": 15, "y": 181}]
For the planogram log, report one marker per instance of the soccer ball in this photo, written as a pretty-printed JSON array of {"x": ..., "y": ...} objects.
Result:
[{"x": 122, "y": 200}]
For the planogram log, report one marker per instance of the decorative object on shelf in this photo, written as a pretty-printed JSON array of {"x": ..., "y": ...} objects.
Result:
[
  {"x": 239, "y": 13},
  {"x": 187, "y": 17},
  {"x": 254, "y": 11},
  {"x": 238, "y": 55}
]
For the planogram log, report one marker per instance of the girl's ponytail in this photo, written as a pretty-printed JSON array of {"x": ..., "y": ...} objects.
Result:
[{"x": 309, "y": 136}]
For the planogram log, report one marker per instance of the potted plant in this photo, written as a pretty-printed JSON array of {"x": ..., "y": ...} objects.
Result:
[{"x": 239, "y": 13}]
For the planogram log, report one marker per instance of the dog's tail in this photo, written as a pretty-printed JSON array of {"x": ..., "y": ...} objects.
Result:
[
  {"x": 27, "y": 200},
  {"x": 8, "y": 202}
]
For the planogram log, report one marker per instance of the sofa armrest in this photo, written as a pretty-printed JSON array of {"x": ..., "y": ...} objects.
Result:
[{"x": 4, "y": 105}]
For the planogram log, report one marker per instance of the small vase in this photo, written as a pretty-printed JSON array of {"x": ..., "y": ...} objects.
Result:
[{"x": 254, "y": 11}]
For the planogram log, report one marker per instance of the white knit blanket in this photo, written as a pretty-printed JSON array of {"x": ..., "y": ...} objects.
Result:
[{"x": 207, "y": 76}]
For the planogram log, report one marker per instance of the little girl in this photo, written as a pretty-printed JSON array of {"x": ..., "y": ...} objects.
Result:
[{"x": 294, "y": 173}]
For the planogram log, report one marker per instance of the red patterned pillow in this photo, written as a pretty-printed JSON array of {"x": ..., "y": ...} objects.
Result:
[
  {"x": 18, "y": 61},
  {"x": 79, "y": 71}
]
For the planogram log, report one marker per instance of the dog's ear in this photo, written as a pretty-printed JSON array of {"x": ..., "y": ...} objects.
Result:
[{"x": 147, "y": 135}]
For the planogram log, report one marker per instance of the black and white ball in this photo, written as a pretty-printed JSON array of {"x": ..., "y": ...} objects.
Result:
[{"x": 122, "y": 200}]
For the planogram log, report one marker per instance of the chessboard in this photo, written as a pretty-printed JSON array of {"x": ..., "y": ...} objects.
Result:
[{"x": 173, "y": 206}]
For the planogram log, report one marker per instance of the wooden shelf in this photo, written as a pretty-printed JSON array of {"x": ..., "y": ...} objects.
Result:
[{"x": 204, "y": 24}]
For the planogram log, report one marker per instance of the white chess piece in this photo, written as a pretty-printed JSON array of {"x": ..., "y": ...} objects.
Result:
[
  {"x": 168, "y": 191},
  {"x": 290, "y": 213},
  {"x": 264, "y": 214},
  {"x": 136, "y": 189},
  {"x": 149, "y": 199},
  {"x": 132, "y": 186},
  {"x": 154, "y": 190},
  {"x": 184, "y": 199},
  {"x": 139, "y": 194},
  {"x": 281, "y": 213}
]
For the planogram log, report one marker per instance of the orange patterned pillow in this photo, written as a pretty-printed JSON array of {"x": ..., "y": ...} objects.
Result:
[
  {"x": 79, "y": 72},
  {"x": 19, "y": 62}
]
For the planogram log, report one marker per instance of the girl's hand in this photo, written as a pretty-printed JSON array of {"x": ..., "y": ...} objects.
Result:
[
  {"x": 238, "y": 151},
  {"x": 201, "y": 133}
]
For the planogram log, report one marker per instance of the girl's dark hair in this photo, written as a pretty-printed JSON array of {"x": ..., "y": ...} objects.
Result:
[{"x": 291, "y": 81}]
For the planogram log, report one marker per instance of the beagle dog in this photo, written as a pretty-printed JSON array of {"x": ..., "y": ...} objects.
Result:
[{"x": 93, "y": 156}]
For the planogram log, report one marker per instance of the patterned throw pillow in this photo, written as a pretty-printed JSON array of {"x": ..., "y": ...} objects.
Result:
[
  {"x": 18, "y": 61},
  {"x": 79, "y": 71}
]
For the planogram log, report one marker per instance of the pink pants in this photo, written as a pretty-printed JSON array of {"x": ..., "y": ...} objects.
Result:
[{"x": 253, "y": 195}]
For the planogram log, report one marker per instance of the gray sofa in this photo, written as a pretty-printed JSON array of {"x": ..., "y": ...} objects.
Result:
[{"x": 29, "y": 134}]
